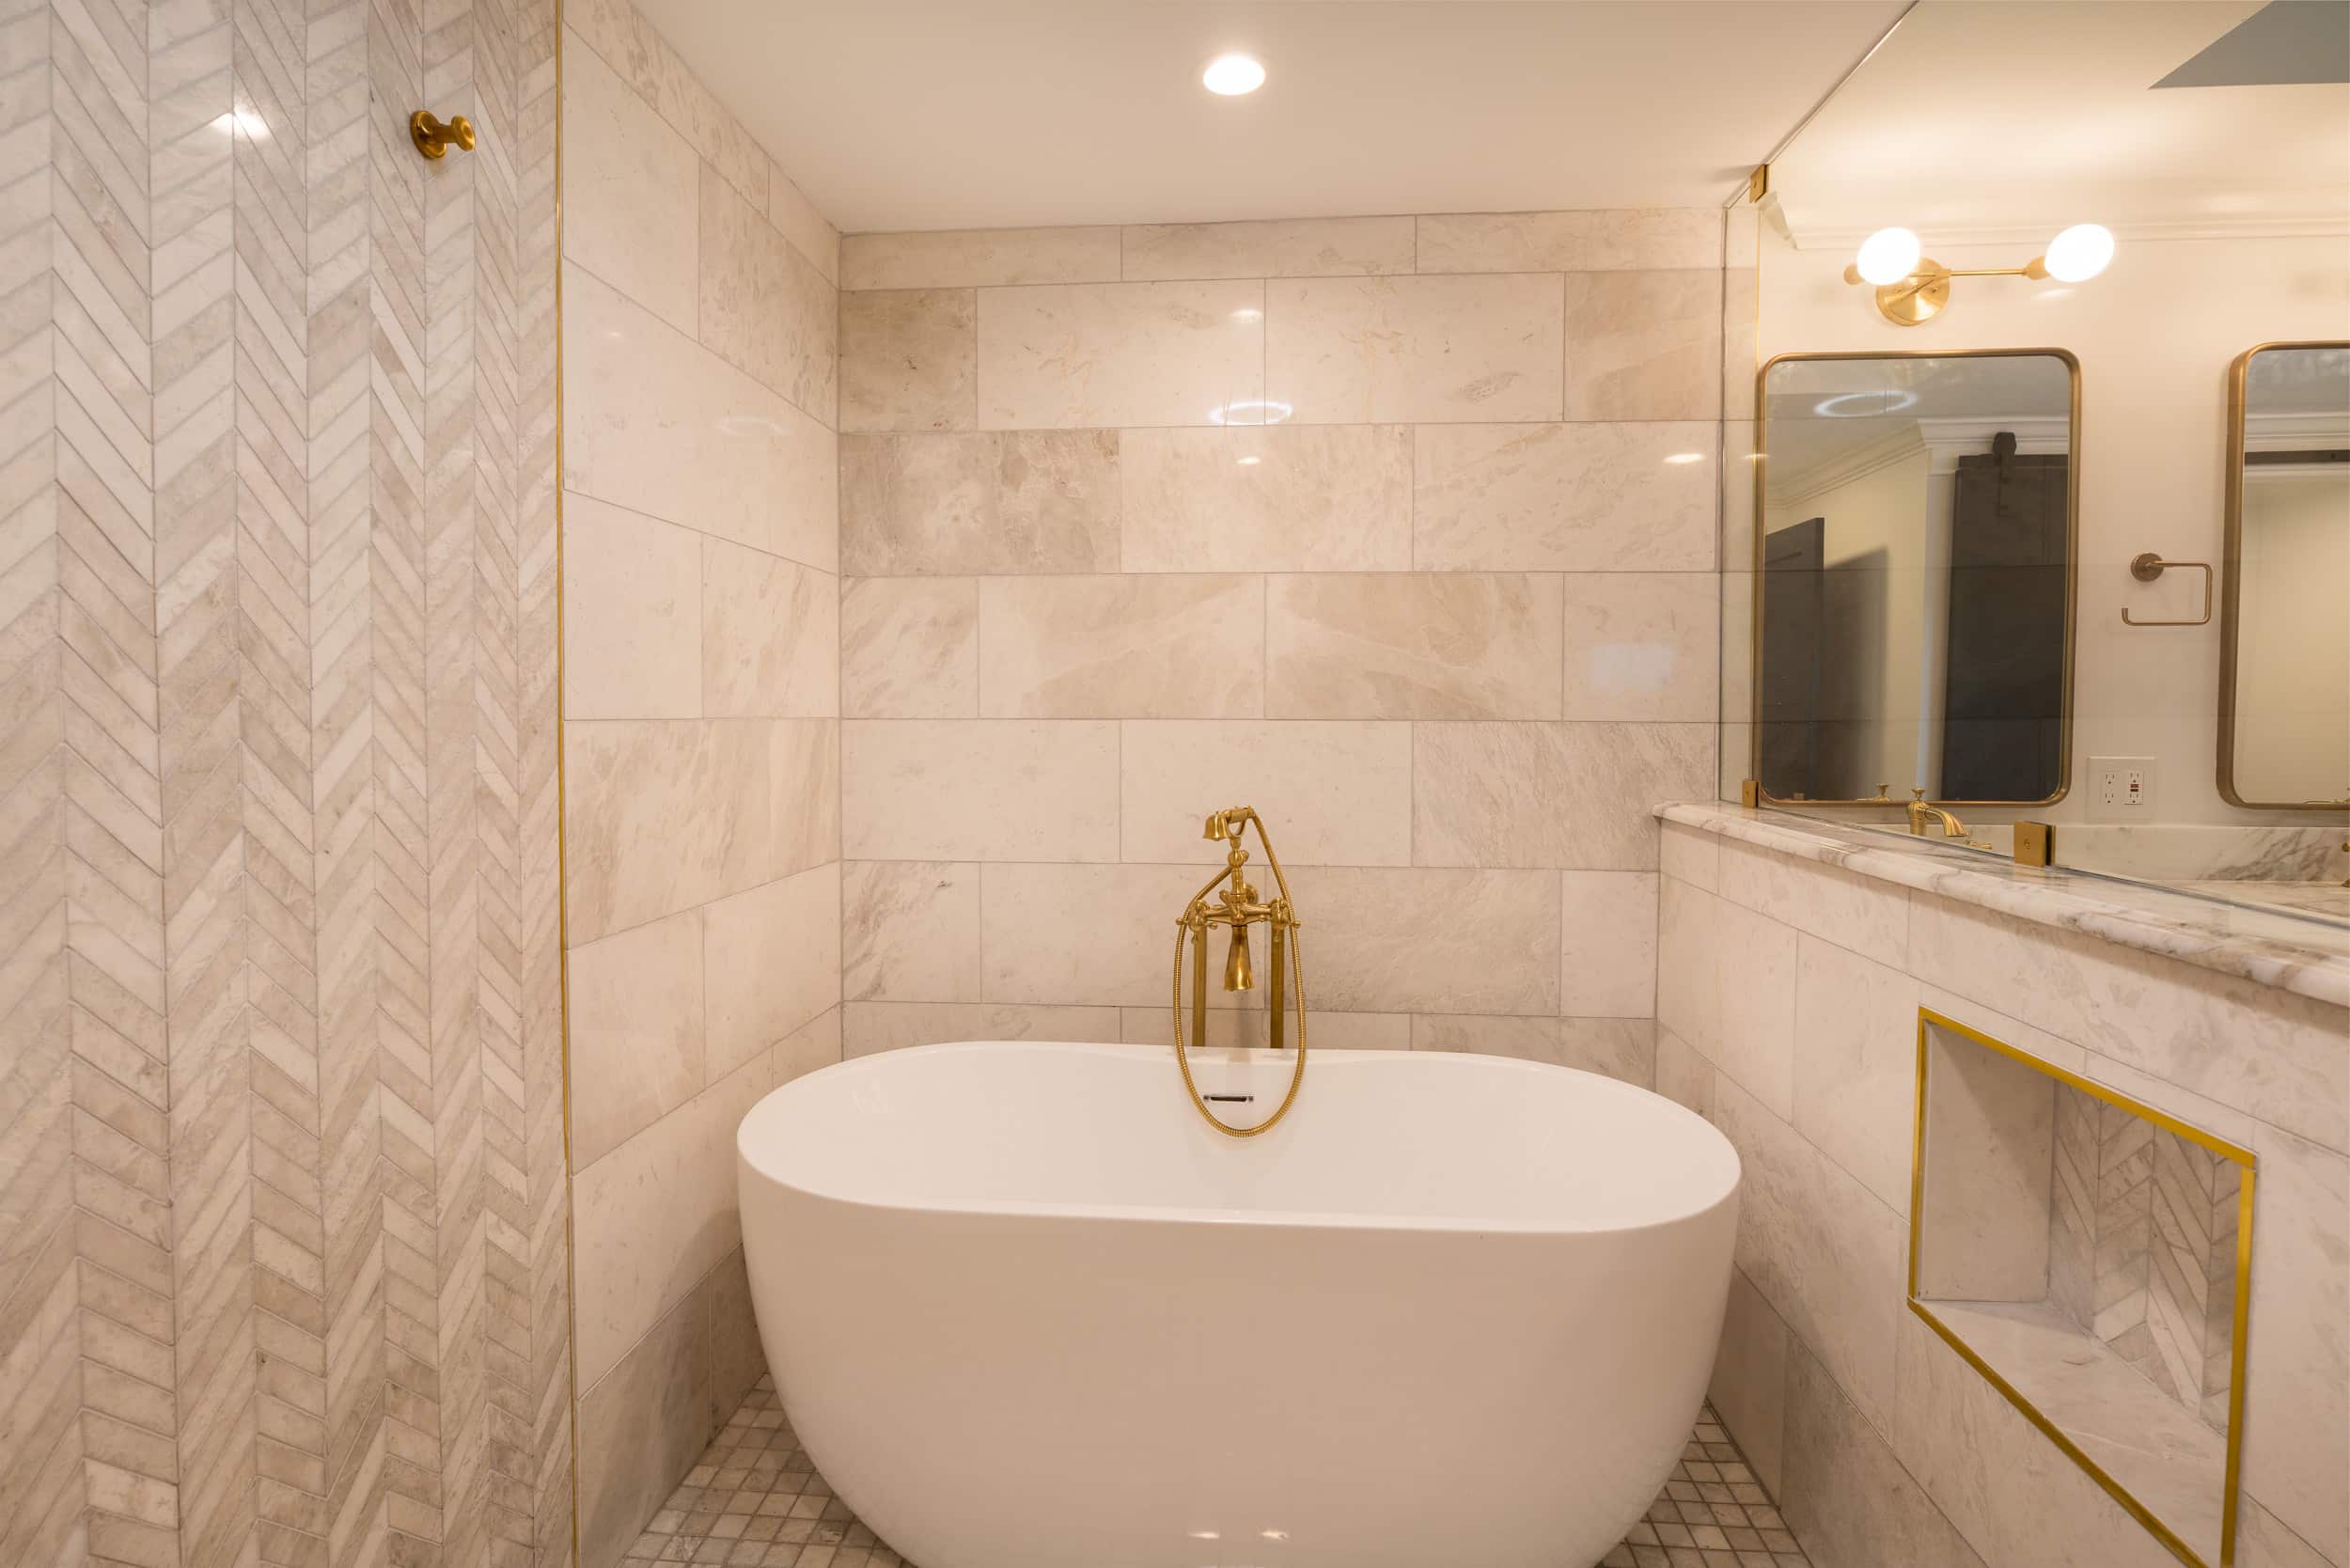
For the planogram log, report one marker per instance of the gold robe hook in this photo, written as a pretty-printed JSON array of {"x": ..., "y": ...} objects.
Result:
[{"x": 433, "y": 137}]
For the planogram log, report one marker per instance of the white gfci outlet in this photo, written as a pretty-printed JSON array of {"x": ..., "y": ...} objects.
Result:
[{"x": 2120, "y": 789}]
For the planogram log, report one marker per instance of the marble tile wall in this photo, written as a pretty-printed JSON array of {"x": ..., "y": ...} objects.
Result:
[
  {"x": 702, "y": 634},
  {"x": 1787, "y": 995},
  {"x": 1401, "y": 529},
  {"x": 281, "y": 1145}
]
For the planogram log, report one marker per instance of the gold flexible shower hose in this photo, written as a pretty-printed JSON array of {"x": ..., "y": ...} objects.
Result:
[{"x": 1185, "y": 934}]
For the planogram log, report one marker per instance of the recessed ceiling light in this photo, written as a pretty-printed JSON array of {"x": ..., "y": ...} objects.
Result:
[{"x": 1232, "y": 74}]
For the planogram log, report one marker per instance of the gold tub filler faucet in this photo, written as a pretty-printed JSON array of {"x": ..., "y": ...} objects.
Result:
[{"x": 1239, "y": 908}]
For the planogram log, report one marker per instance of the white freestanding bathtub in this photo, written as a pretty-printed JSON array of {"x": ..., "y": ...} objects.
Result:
[{"x": 1026, "y": 1310}]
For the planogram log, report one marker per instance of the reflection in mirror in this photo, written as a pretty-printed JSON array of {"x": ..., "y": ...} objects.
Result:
[
  {"x": 1913, "y": 584},
  {"x": 2285, "y": 694}
]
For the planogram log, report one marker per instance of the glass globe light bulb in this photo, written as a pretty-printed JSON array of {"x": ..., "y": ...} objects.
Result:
[
  {"x": 1888, "y": 255},
  {"x": 2080, "y": 253}
]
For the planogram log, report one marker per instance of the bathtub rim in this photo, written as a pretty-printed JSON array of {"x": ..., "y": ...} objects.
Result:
[{"x": 747, "y": 1161}]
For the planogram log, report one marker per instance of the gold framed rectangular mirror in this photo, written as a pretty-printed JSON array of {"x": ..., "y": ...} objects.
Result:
[
  {"x": 1916, "y": 550},
  {"x": 2284, "y": 639}
]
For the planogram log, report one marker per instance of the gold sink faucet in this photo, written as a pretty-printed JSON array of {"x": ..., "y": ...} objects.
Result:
[{"x": 1921, "y": 809}]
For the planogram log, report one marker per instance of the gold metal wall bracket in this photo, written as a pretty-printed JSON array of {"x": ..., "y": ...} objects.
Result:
[
  {"x": 434, "y": 137},
  {"x": 2148, "y": 567},
  {"x": 1915, "y": 300}
]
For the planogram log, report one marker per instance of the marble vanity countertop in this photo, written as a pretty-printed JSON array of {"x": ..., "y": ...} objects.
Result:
[{"x": 2297, "y": 955}]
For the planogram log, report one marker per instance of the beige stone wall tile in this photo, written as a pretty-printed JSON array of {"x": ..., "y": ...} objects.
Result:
[
  {"x": 1121, "y": 354},
  {"x": 1607, "y": 953},
  {"x": 1683, "y": 1075},
  {"x": 772, "y": 961},
  {"x": 1691, "y": 854},
  {"x": 1336, "y": 794},
  {"x": 770, "y": 637},
  {"x": 811, "y": 232},
  {"x": 1610, "y": 496},
  {"x": 1266, "y": 498},
  {"x": 1414, "y": 646},
  {"x": 1157, "y": 646},
  {"x": 1857, "y": 1064},
  {"x": 1846, "y": 1494},
  {"x": 1028, "y": 501},
  {"x": 631, "y": 46},
  {"x": 910, "y": 931},
  {"x": 1591, "y": 240},
  {"x": 1370, "y": 949},
  {"x": 1726, "y": 985},
  {"x": 1413, "y": 349},
  {"x": 629, "y": 187},
  {"x": 766, "y": 309},
  {"x": 1088, "y": 935},
  {"x": 632, "y": 625},
  {"x": 1246, "y": 1028},
  {"x": 871, "y": 1027},
  {"x": 1644, "y": 345},
  {"x": 636, "y": 1031},
  {"x": 1620, "y": 1048},
  {"x": 1642, "y": 645},
  {"x": 814, "y": 1044},
  {"x": 642, "y": 1423},
  {"x": 2296, "y": 1387},
  {"x": 963, "y": 259},
  {"x": 1576, "y": 796},
  {"x": 1869, "y": 916},
  {"x": 979, "y": 790},
  {"x": 1278, "y": 247},
  {"x": 909, "y": 360},
  {"x": 910, "y": 648},
  {"x": 1749, "y": 1388}
]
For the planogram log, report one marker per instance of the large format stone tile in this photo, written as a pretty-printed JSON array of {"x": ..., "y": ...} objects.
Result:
[
  {"x": 1683, "y": 1075},
  {"x": 1334, "y": 793},
  {"x": 641, "y": 1427},
  {"x": 2014, "y": 1496},
  {"x": 910, "y": 931},
  {"x": 2296, "y": 1392},
  {"x": 1749, "y": 1388},
  {"x": 1690, "y": 854},
  {"x": 1413, "y": 349},
  {"x": 963, "y": 259},
  {"x": 763, "y": 305},
  {"x": 1641, "y": 646},
  {"x": 1588, "y": 240},
  {"x": 1612, "y": 496},
  {"x": 1234, "y": 1027},
  {"x": 654, "y": 422},
  {"x": 1277, "y": 247},
  {"x": 1414, "y": 646},
  {"x": 949, "y": 504},
  {"x": 1845, "y": 1496},
  {"x": 910, "y": 648},
  {"x": 1090, "y": 936},
  {"x": 1621, "y": 1048},
  {"x": 1137, "y": 646},
  {"x": 664, "y": 815},
  {"x": 1726, "y": 982},
  {"x": 909, "y": 360},
  {"x": 1644, "y": 345},
  {"x": 1576, "y": 796},
  {"x": 1820, "y": 1248},
  {"x": 773, "y": 960},
  {"x": 1426, "y": 940},
  {"x": 2283, "y": 1061},
  {"x": 871, "y": 1027},
  {"x": 632, "y": 626},
  {"x": 811, "y": 232},
  {"x": 1267, "y": 498},
  {"x": 636, "y": 1031},
  {"x": 1121, "y": 354},
  {"x": 770, "y": 637},
  {"x": 631, "y": 45},
  {"x": 1870, "y": 917},
  {"x": 979, "y": 790},
  {"x": 813, "y": 1044},
  {"x": 629, "y": 188},
  {"x": 1607, "y": 953},
  {"x": 1855, "y": 1085},
  {"x": 654, "y": 1216}
]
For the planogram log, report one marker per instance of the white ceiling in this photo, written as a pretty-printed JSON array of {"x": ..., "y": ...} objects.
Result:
[
  {"x": 952, "y": 114},
  {"x": 1984, "y": 120}
]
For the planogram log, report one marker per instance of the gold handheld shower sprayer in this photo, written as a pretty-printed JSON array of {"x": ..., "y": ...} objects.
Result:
[{"x": 1239, "y": 907}]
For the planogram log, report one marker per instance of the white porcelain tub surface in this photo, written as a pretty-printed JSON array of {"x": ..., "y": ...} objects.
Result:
[{"x": 1026, "y": 1311}]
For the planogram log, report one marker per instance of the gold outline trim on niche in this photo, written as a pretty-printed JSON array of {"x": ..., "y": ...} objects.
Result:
[
  {"x": 562, "y": 829},
  {"x": 2231, "y": 588},
  {"x": 2072, "y": 555},
  {"x": 2239, "y": 1331}
]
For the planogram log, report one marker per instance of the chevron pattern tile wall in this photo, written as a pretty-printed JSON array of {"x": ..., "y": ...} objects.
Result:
[{"x": 281, "y": 1165}]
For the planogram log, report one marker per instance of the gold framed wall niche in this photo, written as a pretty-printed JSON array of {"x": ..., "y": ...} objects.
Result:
[
  {"x": 1761, "y": 532},
  {"x": 2232, "y": 578},
  {"x": 2017, "y": 1307}
]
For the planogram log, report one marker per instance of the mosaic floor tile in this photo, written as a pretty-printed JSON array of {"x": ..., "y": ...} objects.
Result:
[{"x": 756, "y": 1499}]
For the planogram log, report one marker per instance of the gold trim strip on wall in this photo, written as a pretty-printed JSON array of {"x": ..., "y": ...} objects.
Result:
[
  {"x": 1928, "y": 1018},
  {"x": 562, "y": 826}
]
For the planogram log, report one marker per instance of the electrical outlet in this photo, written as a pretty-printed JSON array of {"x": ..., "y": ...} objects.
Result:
[{"x": 2120, "y": 789}]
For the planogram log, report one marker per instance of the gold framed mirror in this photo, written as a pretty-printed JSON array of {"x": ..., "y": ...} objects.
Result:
[
  {"x": 2284, "y": 629},
  {"x": 1915, "y": 569}
]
